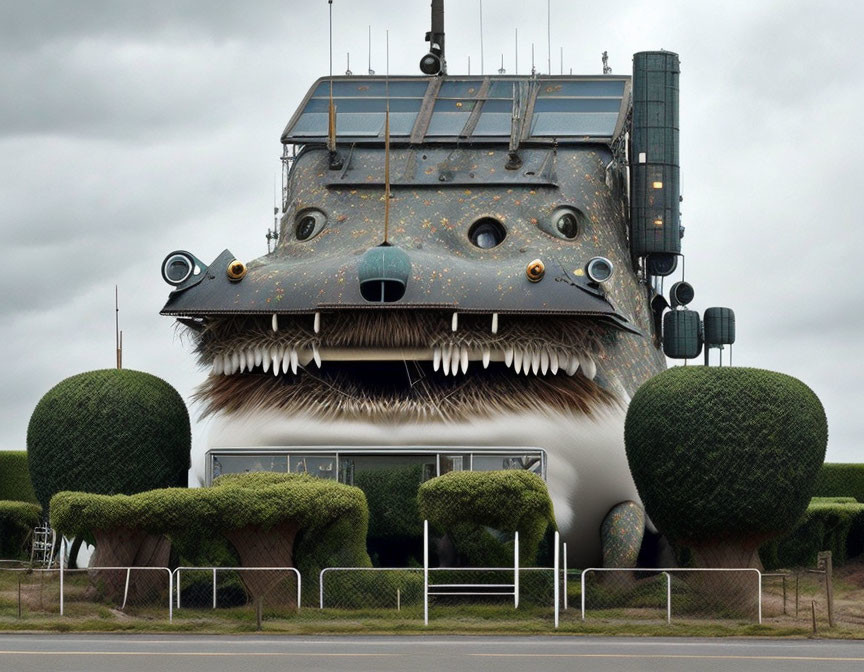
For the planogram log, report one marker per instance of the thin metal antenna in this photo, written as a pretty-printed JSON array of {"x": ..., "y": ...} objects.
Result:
[
  {"x": 348, "y": 72},
  {"x": 562, "y": 60},
  {"x": 501, "y": 70},
  {"x": 469, "y": 66},
  {"x": 549, "y": 32},
  {"x": 387, "y": 149},
  {"x": 330, "y": 2},
  {"x": 533, "y": 69},
  {"x": 118, "y": 335},
  {"x": 335, "y": 162},
  {"x": 516, "y": 52},
  {"x": 482, "y": 62},
  {"x": 370, "y": 70}
]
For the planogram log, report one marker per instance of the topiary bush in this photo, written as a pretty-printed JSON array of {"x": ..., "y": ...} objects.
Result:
[
  {"x": 17, "y": 520},
  {"x": 15, "y": 485},
  {"x": 271, "y": 519},
  {"x": 725, "y": 458},
  {"x": 840, "y": 480},
  {"x": 108, "y": 432},
  {"x": 480, "y": 510},
  {"x": 829, "y": 524}
]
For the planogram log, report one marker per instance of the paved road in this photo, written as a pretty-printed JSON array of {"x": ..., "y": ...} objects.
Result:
[{"x": 192, "y": 653}]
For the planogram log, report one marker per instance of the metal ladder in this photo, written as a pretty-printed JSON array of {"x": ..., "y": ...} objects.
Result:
[{"x": 42, "y": 551}]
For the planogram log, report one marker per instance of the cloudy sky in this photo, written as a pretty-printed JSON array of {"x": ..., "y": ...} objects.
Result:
[{"x": 131, "y": 129}]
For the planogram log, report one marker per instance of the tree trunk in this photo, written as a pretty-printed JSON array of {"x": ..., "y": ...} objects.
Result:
[
  {"x": 733, "y": 593},
  {"x": 126, "y": 547},
  {"x": 273, "y": 547}
]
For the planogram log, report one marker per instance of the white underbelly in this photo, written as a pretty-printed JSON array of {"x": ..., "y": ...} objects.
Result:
[{"x": 587, "y": 472}]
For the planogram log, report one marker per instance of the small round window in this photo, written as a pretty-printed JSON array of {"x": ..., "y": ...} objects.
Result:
[
  {"x": 487, "y": 233},
  {"x": 565, "y": 222},
  {"x": 309, "y": 224}
]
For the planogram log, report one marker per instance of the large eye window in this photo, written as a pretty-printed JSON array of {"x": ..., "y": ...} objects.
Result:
[
  {"x": 487, "y": 233},
  {"x": 309, "y": 224},
  {"x": 566, "y": 223}
]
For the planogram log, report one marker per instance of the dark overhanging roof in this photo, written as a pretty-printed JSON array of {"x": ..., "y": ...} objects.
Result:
[{"x": 565, "y": 109}]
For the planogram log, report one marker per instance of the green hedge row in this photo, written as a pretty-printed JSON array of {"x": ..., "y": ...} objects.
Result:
[
  {"x": 332, "y": 517},
  {"x": 833, "y": 524},
  {"x": 17, "y": 520},
  {"x": 840, "y": 480},
  {"x": 15, "y": 485},
  {"x": 480, "y": 511}
]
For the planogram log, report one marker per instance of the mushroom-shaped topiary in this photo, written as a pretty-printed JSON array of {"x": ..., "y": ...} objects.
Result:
[
  {"x": 725, "y": 458},
  {"x": 108, "y": 432},
  {"x": 471, "y": 506}
]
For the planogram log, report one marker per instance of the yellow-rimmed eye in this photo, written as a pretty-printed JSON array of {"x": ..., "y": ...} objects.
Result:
[
  {"x": 236, "y": 270},
  {"x": 309, "y": 223}
]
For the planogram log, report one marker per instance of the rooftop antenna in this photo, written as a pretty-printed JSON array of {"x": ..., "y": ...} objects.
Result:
[
  {"x": 348, "y": 72},
  {"x": 469, "y": 66},
  {"x": 387, "y": 149},
  {"x": 118, "y": 335},
  {"x": 273, "y": 234},
  {"x": 606, "y": 69},
  {"x": 335, "y": 160},
  {"x": 501, "y": 70},
  {"x": 516, "y": 52},
  {"x": 434, "y": 62},
  {"x": 562, "y": 60},
  {"x": 549, "y": 32},
  {"x": 482, "y": 62},
  {"x": 533, "y": 69},
  {"x": 371, "y": 71}
]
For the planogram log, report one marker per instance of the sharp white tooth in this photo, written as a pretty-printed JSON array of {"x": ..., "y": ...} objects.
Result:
[
  {"x": 508, "y": 357},
  {"x": 436, "y": 358},
  {"x": 486, "y": 357},
  {"x": 316, "y": 355},
  {"x": 464, "y": 360},
  {"x": 494, "y": 323},
  {"x": 217, "y": 366},
  {"x": 250, "y": 359},
  {"x": 544, "y": 360},
  {"x": 242, "y": 357},
  {"x": 535, "y": 362},
  {"x": 266, "y": 362},
  {"x": 316, "y": 325},
  {"x": 445, "y": 359},
  {"x": 226, "y": 363},
  {"x": 553, "y": 361},
  {"x": 235, "y": 361},
  {"x": 259, "y": 356},
  {"x": 517, "y": 360},
  {"x": 286, "y": 360},
  {"x": 275, "y": 322},
  {"x": 294, "y": 360},
  {"x": 573, "y": 366},
  {"x": 454, "y": 325},
  {"x": 589, "y": 368}
]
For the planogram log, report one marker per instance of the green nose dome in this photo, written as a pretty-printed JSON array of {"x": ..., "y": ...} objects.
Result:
[{"x": 383, "y": 274}]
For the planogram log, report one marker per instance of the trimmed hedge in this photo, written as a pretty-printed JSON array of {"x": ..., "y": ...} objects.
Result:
[
  {"x": 845, "y": 480},
  {"x": 833, "y": 524},
  {"x": 17, "y": 520},
  {"x": 332, "y": 517},
  {"x": 480, "y": 510},
  {"x": 15, "y": 485},
  {"x": 725, "y": 454},
  {"x": 108, "y": 432}
]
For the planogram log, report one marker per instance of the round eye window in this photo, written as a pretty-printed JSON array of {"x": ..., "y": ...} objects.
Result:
[
  {"x": 567, "y": 225},
  {"x": 309, "y": 224},
  {"x": 486, "y": 233}
]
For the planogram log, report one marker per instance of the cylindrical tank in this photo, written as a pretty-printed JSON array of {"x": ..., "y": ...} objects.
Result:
[
  {"x": 655, "y": 173},
  {"x": 719, "y": 326},
  {"x": 682, "y": 337}
]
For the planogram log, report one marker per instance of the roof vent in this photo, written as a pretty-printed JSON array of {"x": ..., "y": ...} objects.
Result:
[{"x": 383, "y": 274}]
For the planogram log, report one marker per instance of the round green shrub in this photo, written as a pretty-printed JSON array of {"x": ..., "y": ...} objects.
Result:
[
  {"x": 15, "y": 485},
  {"x": 17, "y": 520},
  {"x": 108, "y": 432},
  {"x": 721, "y": 454},
  {"x": 477, "y": 508}
]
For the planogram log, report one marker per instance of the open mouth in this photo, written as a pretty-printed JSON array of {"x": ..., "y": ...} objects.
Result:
[{"x": 403, "y": 364}]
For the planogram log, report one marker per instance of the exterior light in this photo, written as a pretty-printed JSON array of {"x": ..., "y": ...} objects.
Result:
[
  {"x": 599, "y": 269},
  {"x": 658, "y": 185},
  {"x": 535, "y": 270},
  {"x": 178, "y": 268},
  {"x": 236, "y": 271}
]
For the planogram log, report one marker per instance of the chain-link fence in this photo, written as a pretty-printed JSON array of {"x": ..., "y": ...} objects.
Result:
[{"x": 237, "y": 592}]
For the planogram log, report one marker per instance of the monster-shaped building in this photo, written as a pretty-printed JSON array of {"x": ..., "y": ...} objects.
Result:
[{"x": 476, "y": 289}]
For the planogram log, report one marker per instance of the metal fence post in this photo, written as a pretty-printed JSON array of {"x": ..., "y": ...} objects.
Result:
[
  {"x": 582, "y": 580},
  {"x": 299, "y": 584},
  {"x": 62, "y": 562},
  {"x": 565, "y": 576},
  {"x": 170, "y": 601},
  {"x": 557, "y": 577},
  {"x": 516, "y": 571},
  {"x": 759, "y": 579},
  {"x": 177, "y": 587},
  {"x": 668, "y": 597},
  {"x": 425, "y": 572},
  {"x": 214, "y": 587},
  {"x": 321, "y": 589},
  {"x": 126, "y": 588}
]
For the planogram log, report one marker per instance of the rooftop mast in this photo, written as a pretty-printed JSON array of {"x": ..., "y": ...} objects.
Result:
[{"x": 434, "y": 63}]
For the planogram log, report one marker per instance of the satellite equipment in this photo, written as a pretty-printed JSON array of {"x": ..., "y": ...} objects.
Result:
[
  {"x": 681, "y": 294},
  {"x": 682, "y": 334},
  {"x": 433, "y": 63},
  {"x": 719, "y": 331}
]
